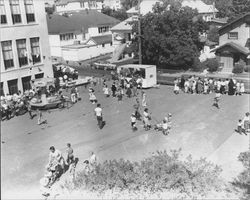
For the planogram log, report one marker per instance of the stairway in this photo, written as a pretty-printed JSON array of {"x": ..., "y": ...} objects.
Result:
[{"x": 117, "y": 53}]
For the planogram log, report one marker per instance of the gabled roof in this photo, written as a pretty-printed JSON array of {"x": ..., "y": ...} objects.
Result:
[
  {"x": 233, "y": 24},
  {"x": 78, "y": 21},
  {"x": 103, "y": 39},
  {"x": 234, "y": 46},
  {"x": 124, "y": 25},
  {"x": 200, "y": 6}
]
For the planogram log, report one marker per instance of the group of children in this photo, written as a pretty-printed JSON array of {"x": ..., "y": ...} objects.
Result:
[
  {"x": 197, "y": 85},
  {"x": 163, "y": 126}
]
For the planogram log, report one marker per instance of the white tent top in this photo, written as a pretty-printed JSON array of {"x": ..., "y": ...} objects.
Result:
[{"x": 136, "y": 66}]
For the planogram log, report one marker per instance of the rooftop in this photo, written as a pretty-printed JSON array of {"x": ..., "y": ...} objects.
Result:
[
  {"x": 200, "y": 6},
  {"x": 78, "y": 21}
]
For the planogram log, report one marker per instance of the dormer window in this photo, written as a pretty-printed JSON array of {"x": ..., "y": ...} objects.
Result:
[{"x": 233, "y": 35}]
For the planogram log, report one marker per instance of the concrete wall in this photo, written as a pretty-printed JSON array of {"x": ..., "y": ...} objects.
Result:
[
  {"x": 85, "y": 53},
  {"x": 77, "y": 6},
  {"x": 26, "y": 31}
]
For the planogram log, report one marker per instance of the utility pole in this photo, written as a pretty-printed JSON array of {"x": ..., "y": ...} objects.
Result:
[{"x": 139, "y": 31}]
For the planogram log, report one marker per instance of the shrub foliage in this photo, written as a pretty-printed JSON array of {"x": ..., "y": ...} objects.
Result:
[{"x": 158, "y": 173}]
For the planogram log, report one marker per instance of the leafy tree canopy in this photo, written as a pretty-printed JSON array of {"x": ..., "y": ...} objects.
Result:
[
  {"x": 118, "y": 14},
  {"x": 127, "y": 4},
  {"x": 170, "y": 36}
]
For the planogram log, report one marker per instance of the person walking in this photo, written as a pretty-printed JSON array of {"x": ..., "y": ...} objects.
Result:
[
  {"x": 99, "y": 116},
  {"x": 29, "y": 110}
]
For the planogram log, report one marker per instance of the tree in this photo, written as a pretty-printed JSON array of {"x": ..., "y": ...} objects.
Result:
[
  {"x": 240, "y": 7},
  {"x": 127, "y": 4},
  {"x": 243, "y": 179},
  {"x": 170, "y": 36},
  {"x": 213, "y": 34},
  {"x": 118, "y": 14}
]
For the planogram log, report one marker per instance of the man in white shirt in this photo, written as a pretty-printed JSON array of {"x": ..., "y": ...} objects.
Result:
[
  {"x": 98, "y": 114},
  {"x": 55, "y": 157}
]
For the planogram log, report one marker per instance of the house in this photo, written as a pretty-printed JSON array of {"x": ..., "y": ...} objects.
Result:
[
  {"x": 81, "y": 35},
  {"x": 64, "y": 6},
  {"x": 208, "y": 12},
  {"x": 146, "y": 6},
  {"x": 121, "y": 39},
  {"x": 24, "y": 46},
  {"x": 234, "y": 43},
  {"x": 113, "y": 4}
]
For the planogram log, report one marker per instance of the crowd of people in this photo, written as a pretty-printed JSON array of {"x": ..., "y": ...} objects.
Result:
[{"x": 198, "y": 85}]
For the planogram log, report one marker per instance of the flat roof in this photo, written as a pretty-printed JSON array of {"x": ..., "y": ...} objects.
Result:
[{"x": 137, "y": 66}]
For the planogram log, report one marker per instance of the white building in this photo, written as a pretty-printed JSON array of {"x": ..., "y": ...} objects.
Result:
[
  {"x": 81, "y": 35},
  {"x": 146, "y": 6},
  {"x": 64, "y": 6},
  {"x": 208, "y": 12},
  {"x": 113, "y": 4},
  {"x": 24, "y": 48}
]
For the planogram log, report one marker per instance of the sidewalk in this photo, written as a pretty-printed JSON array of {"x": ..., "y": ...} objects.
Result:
[{"x": 227, "y": 151}]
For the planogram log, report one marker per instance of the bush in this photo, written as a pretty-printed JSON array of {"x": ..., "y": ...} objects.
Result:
[
  {"x": 212, "y": 64},
  {"x": 238, "y": 68},
  {"x": 247, "y": 68},
  {"x": 243, "y": 180},
  {"x": 161, "y": 172}
]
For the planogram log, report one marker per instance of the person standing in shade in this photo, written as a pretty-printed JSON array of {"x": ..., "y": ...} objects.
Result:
[
  {"x": 113, "y": 88},
  {"x": 98, "y": 114},
  {"x": 144, "y": 103}
]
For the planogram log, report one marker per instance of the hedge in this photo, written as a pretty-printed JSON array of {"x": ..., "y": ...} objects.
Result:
[{"x": 160, "y": 172}]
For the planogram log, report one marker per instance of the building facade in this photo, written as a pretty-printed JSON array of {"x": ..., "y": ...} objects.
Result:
[
  {"x": 24, "y": 48},
  {"x": 80, "y": 35},
  {"x": 234, "y": 43},
  {"x": 207, "y": 12},
  {"x": 64, "y": 6},
  {"x": 113, "y": 4}
]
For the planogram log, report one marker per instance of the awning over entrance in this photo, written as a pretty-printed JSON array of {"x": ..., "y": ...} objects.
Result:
[{"x": 231, "y": 47}]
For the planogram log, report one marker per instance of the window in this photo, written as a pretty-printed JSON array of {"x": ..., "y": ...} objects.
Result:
[
  {"x": 1, "y": 89},
  {"x": 2, "y": 13},
  {"x": 39, "y": 75},
  {"x": 35, "y": 50},
  {"x": 233, "y": 35},
  {"x": 7, "y": 54},
  {"x": 103, "y": 29},
  {"x": 22, "y": 52},
  {"x": 67, "y": 36},
  {"x": 29, "y": 8},
  {"x": 12, "y": 85},
  {"x": 26, "y": 83},
  {"x": 15, "y": 11}
]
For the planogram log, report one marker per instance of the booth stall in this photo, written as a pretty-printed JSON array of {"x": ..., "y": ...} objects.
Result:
[{"x": 146, "y": 72}]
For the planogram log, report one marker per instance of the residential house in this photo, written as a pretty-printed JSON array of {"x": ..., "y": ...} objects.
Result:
[
  {"x": 121, "y": 38},
  {"x": 146, "y": 6},
  {"x": 208, "y": 12},
  {"x": 24, "y": 45},
  {"x": 65, "y": 6},
  {"x": 113, "y": 4},
  {"x": 81, "y": 35},
  {"x": 234, "y": 43}
]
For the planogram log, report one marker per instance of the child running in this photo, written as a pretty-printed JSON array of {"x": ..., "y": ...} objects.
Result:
[{"x": 133, "y": 122}]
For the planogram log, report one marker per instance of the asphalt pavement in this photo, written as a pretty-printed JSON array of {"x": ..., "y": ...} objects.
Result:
[{"x": 198, "y": 129}]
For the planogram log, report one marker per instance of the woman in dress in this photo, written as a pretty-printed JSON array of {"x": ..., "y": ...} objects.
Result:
[{"x": 231, "y": 87}]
